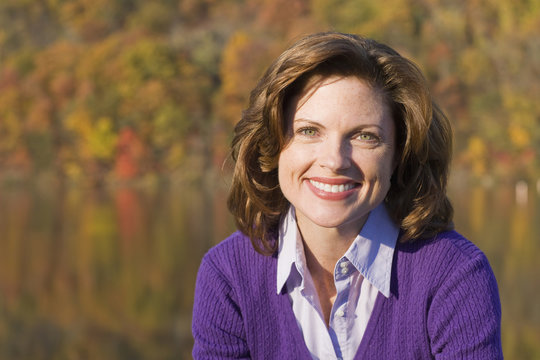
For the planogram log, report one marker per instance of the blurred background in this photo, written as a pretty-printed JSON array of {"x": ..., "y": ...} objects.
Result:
[{"x": 115, "y": 121}]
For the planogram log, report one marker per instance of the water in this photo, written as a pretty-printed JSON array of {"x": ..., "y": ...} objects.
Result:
[
  {"x": 88, "y": 274},
  {"x": 507, "y": 229},
  {"x": 101, "y": 275}
]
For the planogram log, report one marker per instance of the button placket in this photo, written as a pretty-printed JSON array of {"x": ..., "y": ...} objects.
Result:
[
  {"x": 339, "y": 269},
  {"x": 344, "y": 267}
]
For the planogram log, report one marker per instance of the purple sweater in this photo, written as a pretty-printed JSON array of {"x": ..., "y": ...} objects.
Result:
[{"x": 444, "y": 304}]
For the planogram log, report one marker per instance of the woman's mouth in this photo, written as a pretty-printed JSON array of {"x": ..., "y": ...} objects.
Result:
[{"x": 332, "y": 188}]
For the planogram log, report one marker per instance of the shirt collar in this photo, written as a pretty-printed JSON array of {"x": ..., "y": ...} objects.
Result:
[
  {"x": 288, "y": 254},
  {"x": 371, "y": 252},
  {"x": 373, "y": 249}
]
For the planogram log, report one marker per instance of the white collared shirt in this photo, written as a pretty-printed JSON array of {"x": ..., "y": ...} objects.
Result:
[{"x": 359, "y": 275}]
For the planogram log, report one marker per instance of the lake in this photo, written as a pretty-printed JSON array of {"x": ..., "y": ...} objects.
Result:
[{"x": 95, "y": 274}]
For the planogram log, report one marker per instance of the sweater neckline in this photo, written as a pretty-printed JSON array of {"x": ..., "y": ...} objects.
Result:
[
  {"x": 371, "y": 326},
  {"x": 289, "y": 319}
]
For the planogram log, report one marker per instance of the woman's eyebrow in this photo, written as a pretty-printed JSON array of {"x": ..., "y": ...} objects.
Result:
[
  {"x": 355, "y": 128},
  {"x": 304, "y": 120}
]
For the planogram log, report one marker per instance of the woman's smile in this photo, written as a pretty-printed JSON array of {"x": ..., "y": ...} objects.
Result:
[{"x": 332, "y": 189}]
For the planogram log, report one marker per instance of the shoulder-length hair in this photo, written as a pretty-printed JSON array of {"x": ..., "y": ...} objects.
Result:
[{"x": 417, "y": 198}]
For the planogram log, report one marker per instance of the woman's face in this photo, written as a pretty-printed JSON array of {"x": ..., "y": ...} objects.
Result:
[{"x": 337, "y": 164}]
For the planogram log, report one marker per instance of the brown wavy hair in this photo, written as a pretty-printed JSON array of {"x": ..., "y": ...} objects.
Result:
[{"x": 417, "y": 198}]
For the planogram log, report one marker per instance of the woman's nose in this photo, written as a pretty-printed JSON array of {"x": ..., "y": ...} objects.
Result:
[{"x": 335, "y": 155}]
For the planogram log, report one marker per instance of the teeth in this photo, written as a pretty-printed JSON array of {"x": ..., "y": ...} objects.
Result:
[{"x": 332, "y": 188}]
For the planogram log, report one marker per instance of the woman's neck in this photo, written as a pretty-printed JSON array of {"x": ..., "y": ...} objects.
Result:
[
  {"x": 327, "y": 245},
  {"x": 323, "y": 247}
]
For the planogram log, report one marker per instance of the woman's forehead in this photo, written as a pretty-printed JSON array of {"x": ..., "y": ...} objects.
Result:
[{"x": 315, "y": 83}]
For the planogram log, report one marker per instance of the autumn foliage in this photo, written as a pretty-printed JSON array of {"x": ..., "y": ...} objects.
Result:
[{"x": 111, "y": 90}]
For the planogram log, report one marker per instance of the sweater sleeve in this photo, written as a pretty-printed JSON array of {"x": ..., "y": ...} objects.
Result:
[
  {"x": 465, "y": 315},
  {"x": 218, "y": 328}
]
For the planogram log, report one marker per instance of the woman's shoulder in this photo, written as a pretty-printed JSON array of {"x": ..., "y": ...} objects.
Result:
[
  {"x": 452, "y": 277},
  {"x": 447, "y": 259},
  {"x": 448, "y": 246},
  {"x": 235, "y": 255},
  {"x": 438, "y": 259},
  {"x": 232, "y": 243}
]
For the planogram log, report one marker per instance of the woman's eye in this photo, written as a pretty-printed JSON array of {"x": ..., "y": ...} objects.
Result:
[
  {"x": 367, "y": 137},
  {"x": 308, "y": 132}
]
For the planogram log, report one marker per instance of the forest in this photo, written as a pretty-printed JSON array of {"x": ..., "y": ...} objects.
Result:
[{"x": 112, "y": 91}]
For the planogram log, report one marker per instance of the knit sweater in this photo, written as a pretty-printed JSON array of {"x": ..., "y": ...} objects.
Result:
[{"x": 444, "y": 304}]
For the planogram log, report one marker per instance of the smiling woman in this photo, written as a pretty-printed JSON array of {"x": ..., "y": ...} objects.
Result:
[{"x": 345, "y": 246}]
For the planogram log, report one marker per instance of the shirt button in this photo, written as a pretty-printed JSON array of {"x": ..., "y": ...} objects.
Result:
[
  {"x": 340, "y": 313},
  {"x": 343, "y": 264},
  {"x": 344, "y": 270}
]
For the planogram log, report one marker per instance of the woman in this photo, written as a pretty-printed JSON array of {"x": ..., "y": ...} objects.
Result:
[{"x": 345, "y": 246}]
